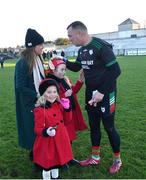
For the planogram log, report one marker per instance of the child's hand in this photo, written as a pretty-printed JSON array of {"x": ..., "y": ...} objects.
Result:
[
  {"x": 68, "y": 93},
  {"x": 81, "y": 76},
  {"x": 51, "y": 131},
  {"x": 65, "y": 103}
]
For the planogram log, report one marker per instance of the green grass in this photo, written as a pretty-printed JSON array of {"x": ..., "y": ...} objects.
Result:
[{"x": 130, "y": 122}]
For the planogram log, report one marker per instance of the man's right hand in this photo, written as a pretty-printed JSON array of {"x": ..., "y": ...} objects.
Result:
[{"x": 97, "y": 97}]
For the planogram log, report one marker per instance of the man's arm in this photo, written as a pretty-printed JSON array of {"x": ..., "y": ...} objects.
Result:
[
  {"x": 110, "y": 76},
  {"x": 73, "y": 66}
]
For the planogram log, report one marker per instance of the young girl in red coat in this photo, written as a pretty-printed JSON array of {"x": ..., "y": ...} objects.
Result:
[
  {"x": 52, "y": 147},
  {"x": 57, "y": 70}
]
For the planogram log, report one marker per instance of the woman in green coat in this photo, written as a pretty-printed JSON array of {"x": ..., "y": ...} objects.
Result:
[{"x": 29, "y": 72}]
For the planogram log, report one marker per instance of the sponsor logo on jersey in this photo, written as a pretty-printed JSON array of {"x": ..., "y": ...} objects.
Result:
[{"x": 91, "y": 51}]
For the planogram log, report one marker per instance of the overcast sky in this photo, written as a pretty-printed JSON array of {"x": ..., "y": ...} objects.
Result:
[{"x": 51, "y": 17}]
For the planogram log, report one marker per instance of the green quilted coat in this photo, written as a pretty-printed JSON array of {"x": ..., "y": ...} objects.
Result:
[{"x": 26, "y": 97}]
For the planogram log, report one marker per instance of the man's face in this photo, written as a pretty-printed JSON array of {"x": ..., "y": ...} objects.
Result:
[{"x": 74, "y": 36}]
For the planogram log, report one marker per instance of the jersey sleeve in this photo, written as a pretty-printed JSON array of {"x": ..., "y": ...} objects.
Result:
[
  {"x": 107, "y": 55},
  {"x": 109, "y": 78},
  {"x": 74, "y": 66},
  {"x": 112, "y": 68}
]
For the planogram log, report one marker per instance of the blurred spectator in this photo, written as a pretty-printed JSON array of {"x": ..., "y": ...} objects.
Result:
[
  {"x": 62, "y": 53},
  {"x": 55, "y": 52},
  {"x": 2, "y": 62},
  {"x": 44, "y": 55},
  {"x": 51, "y": 54}
]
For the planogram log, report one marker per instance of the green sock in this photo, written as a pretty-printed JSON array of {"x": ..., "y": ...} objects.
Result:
[
  {"x": 96, "y": 152},
  {"x": 117, "y": 156}
]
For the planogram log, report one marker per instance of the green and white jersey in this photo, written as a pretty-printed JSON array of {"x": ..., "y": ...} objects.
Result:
[{"x": 95, "y": 58}]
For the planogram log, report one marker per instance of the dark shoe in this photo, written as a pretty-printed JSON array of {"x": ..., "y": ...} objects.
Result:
[
  {"x": 73, "y": 162},
  {"x": 37, "y": 168},
  {"x": 65, "y": 167},
  {"x": 31, "y": 155}
]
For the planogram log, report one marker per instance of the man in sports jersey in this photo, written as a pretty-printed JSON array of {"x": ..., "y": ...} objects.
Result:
[{"x": 101, "y": 70}]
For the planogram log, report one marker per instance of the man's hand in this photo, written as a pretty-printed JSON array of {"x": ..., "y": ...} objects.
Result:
[{"x": 96, "y": 97}]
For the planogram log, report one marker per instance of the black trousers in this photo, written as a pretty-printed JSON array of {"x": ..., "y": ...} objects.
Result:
[{"x": 105, "y": 112}]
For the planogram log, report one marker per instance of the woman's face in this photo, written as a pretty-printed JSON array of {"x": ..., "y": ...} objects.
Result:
[
  {"x": 39, "y": 49},
  {"x": 60, "y": 71},
  {"x": 51, "y": 94}
]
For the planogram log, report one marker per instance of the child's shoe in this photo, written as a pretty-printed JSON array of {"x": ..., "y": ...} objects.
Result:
[{"x": 73, "y": 162}]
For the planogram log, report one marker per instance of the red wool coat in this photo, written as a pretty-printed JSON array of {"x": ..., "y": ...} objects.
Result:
[
  {"x": 52, "y": 151},
  {"x": 77, "y": 123}
]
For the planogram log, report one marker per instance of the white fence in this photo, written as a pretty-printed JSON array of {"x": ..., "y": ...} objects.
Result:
[
  {"x": 127, "y": 52},
  {"x": 117, "y": 52}
]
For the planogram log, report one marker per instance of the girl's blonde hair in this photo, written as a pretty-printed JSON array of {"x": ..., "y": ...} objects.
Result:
[{"x": 41, "y": 101}]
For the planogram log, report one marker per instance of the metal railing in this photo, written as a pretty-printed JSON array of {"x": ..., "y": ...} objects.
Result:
[
  {"x": 117, "y": 52},
  {"x": 131, "y": 52}
]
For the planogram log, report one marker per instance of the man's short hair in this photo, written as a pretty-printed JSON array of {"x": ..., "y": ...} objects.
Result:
[{"x": 77, "y": 25}]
